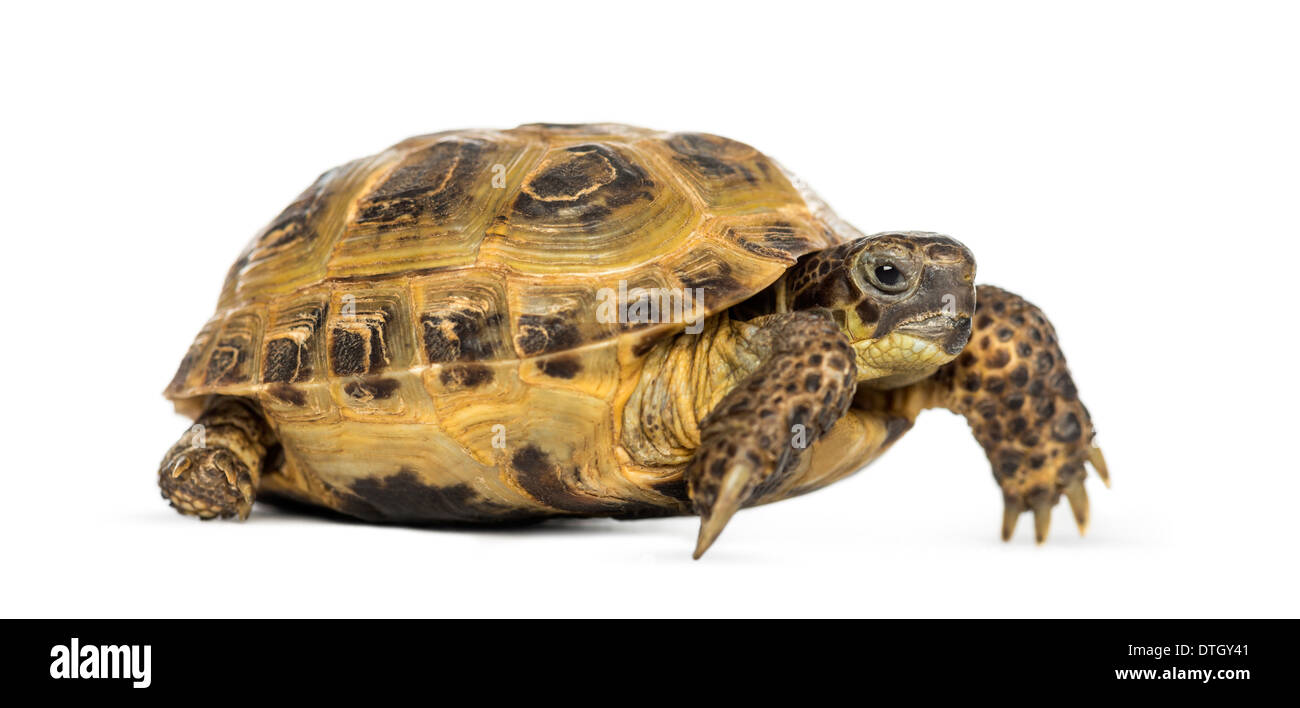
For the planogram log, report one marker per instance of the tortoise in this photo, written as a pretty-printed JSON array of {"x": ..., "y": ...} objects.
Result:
[{"x": 599, "y": 320}]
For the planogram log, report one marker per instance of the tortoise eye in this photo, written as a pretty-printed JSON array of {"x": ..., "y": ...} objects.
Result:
[{"x": 889, "y": 278}]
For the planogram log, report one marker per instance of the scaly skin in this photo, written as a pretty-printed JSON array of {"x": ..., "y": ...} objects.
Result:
[
  {"x": 1012, "y": 384},
  {"x": 803, "y": 385},
  {"x": 891, "y": 309},
  {"x": 213, "y": 471}
]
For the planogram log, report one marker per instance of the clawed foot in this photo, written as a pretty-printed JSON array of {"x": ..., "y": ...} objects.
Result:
[
  {"x": 1013, "y": 386},
  {"x": 752, "y": 438},
  {"x": 718, "y": 497},
  {"x": 1041, "y": 489},
  {"x": 206, "y": 482}
]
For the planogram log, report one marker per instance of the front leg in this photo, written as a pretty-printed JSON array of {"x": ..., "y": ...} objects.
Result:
[
  {"x": 802, "y": 386},
  {"x": 1012, "y": 385}
]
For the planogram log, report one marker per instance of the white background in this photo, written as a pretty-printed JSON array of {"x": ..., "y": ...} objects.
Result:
[{"x": 1130, "y": 167}]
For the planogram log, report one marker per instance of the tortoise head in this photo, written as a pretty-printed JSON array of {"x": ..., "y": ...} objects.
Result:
[{"x": 904, "y": 299}]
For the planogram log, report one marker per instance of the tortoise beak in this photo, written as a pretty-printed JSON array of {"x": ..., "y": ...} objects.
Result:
[{"x": 951, "y": 333}]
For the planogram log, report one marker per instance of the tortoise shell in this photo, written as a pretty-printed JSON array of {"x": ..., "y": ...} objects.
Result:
[
  {"x": 423, "y": 329},
  {"x": 454, "y": 250}
]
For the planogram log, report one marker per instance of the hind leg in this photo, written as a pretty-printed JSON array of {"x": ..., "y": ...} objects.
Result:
[
  {"x": 1012, "y": 385},
  {"x": 215, "y": 468}
]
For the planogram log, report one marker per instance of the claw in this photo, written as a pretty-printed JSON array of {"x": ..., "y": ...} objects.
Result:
[
  {"x": 245, "y": 506},
  {"x": 230, "y": 474},
  {"x": 1042, "y": 521},
  {"x": 1099, "y": 464},
  {"x": 1010, "y": 515},
  {"x": 1078, "y": 497},
  {"x": 181, "y": 466},
  {"x": 731, "y": 494}
]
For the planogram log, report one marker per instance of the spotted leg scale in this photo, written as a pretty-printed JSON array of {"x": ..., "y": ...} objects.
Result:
[
  {"x": 1013, "y": 386},
  {"x": 753, "y": 436}
]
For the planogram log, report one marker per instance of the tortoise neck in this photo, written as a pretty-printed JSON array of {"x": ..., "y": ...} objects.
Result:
[
  {"x": 682, "y": 380},
  {"x": 771, "y": 300}
]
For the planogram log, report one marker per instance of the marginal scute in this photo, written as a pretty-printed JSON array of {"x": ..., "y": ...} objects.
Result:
[
  {"x": 369, "y": 332},
  {"x": 370, "y": 388},
  {"x": 466, "y": 376},
  {"x": 461, "y": 316},
  {"x": 291, "y": 340},
  {"x": 287, "y": 394},
  {"x": 358, "y": 347},
  {"x": 233, "y": 359},
  {"x": 554, "y": 483},
  {"x": 404, "y": 496},
  {"x": 560, "y": 367},
  {"x": 543, "y": 334},
  {"x": 553, "y": 317},
  {"x": 181, "y": 381}
]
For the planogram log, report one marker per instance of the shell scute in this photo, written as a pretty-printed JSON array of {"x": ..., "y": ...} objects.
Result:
[
  {"x": 461, "y": 317},
  {"x": 588, "y": 206},
  {"x": 581, "y": 185},
  {"x": 775, "y": 238},
  {"x": 397, "y": 397},
  {"x": 431, "y": 209},
  {"x": 291, "y": 354},
  {"x": 730, "y": 176},
  {"x": 433, "y": 184},
  {"x": 369, "y": 331},
  {"x": 552, "y": 317},
  {"x": 233, "y": 360}
]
